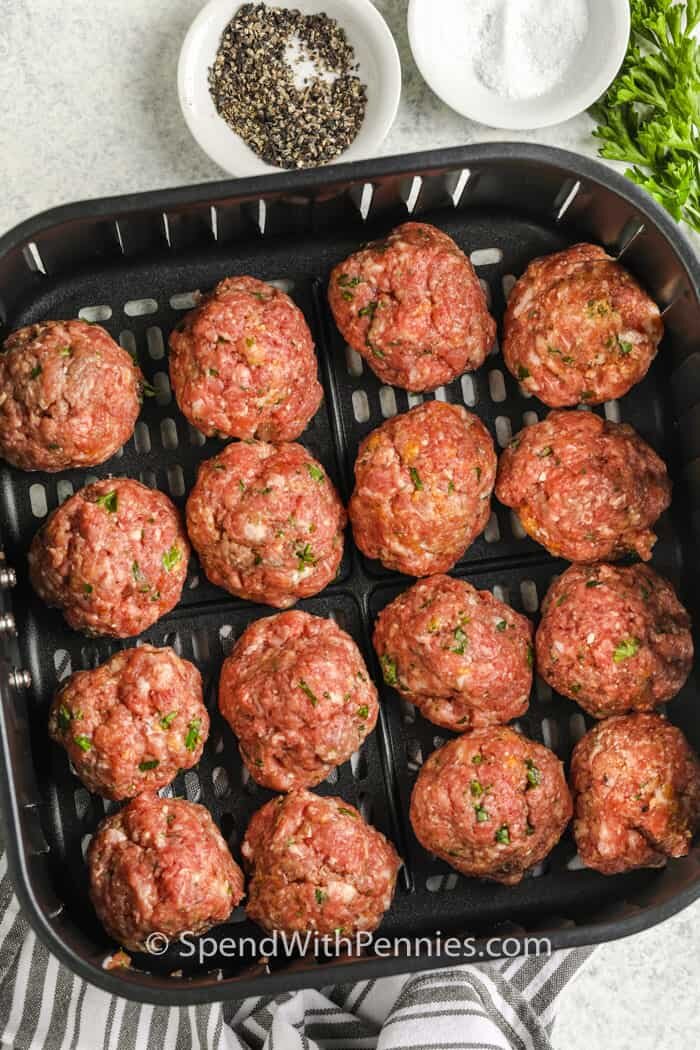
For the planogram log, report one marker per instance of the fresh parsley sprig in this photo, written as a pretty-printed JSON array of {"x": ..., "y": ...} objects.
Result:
[{"x": 650, "y": 116}]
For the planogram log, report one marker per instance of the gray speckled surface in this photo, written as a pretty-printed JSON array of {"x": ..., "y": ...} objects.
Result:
[{"x": 89, "y": 109}]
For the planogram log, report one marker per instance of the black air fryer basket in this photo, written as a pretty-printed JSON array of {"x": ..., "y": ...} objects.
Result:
[{"x": 131, "y": 263}]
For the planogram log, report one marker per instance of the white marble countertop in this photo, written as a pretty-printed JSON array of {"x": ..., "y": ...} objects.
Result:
[{"x": 90, "y": 109}]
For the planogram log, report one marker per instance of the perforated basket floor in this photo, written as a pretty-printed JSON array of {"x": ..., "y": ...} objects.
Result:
[{"x": 139, "y": 299}]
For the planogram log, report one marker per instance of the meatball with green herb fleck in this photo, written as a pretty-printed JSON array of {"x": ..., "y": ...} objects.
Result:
[
  {"x": 636, "y": 786},
  {"x": 242, "y": 363},
  {"x": 316, "y": 865},
  {"x": 491, "y": 803},
  {"x": 463, "y": 657},
  {"x": 614, "y": 639},
  {"x": 413, "y": 307},
  {"x": 113, "y": 558},
  {"x": 296, "y": 692},
  {"x": 423, "y": 484},
  {"x": 161, "y": 865},
  {"x": 69, "y": 396},
  {"x": 579, "y": 328},
  {"x": 266, "y": 522},
  {"x": 132, "y": 724}
]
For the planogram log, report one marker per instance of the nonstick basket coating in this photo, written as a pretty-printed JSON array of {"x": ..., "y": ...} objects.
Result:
[{"x": 132, "y": 263}]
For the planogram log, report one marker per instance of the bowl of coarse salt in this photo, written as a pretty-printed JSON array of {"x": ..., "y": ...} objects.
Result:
[{"x": 517, "y": 64}]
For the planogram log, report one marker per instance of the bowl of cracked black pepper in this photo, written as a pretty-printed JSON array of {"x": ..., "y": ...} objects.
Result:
[{"x": 270, "y": 86}]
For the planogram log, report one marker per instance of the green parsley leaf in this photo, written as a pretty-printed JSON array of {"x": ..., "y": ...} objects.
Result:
[
  {"x": 66, "y": 351},
  {"x": 501, "y": 625},
  {"x": 167, "y": 720},
  {"x": 109, "y": 501},
  {"x": 369, "y": 310},
  {"x": 192, "y": 738},
  {"x": 35, "y": 372},
  {"x": 64, "y": 718},
  {"x": 415, "y": 478},
  {"x": 477, "y": 760},
  {"x": 148, "y": 390},
  {"x": 315, "y": 472},
  {"x": 363, "y": 711},
  {"x": 87, "y": 588},
  {"x": 534, "y": 777},
  {"x": 347, "y": 812},
  {"x": 593, "y": 583},
  {"x": 461, "y": 642},
  {"x": 530, "y": 655},
  {"x": 481, "y": 814},
  {"x": 625, "y": 348},
  {"x": 83, "y": 742},
  {"x": 476, "y": 789},
  {"x": 503, "y": 835},
  {"x": 305, "y": 688},
  {"x": 627, "y": 647},
  {"x": 148, "y": 764},
  {"x": 305, "y": 556},
  {"x": 389, "y": 670},
  {"x": 213, "y": 372},
  {"x": 346, "y": 281},
  {"x": 523, "y": 373},
  {"x": 320, "y": 896},
  {"x": 171, "y": 558},
  {"x": 544, "y": 452}
]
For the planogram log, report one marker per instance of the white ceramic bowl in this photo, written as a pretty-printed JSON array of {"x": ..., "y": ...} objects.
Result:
[
  {"x": 375, "y": 50},
  {"x": 442, "y": 54}
]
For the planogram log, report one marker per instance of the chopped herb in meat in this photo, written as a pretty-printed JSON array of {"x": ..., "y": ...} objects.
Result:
[
  {"x": 35, "y": 372},
  {"x": 503, "y": 835},
  {"x": 83, "y": 742},
  {"x": 461, "y": 642},
  {"x": 476, "y": 789},
  {"x": 523, "y": 373},
  {"x": 167, "y": 720},
  {"x": 346, "y": 281},
  {"x": 148, "y": 764},
  {"x": 545, "y": 452},
  {"x": 530, "y": 655},
  {"x": 627, "y": 647},
  {"x": 481, "y": 814},
  {"x": 363, "y": 711},
  {"x": 389, "y": 670},
  {"x": 415, "y": 478},
  {"x": 305, "y": 556},
  {"x": 593, "y": 583},
  {"x": 477, "y": 760},
  {"x": 87, "y": 588},
  {"x": 192, "y": 738},
  {"x": 347, "y": 812},
  {"x": 315, "y": 472},
  {"x": 64, "y": 718},
  {"x": 305, "y": 688},
  {"x": 109, "y": 501},
  {"x": 369, "y": 310},
  {"x": 320, "y": 896},
  {"x": 534, "y": 777},
  {"x": 171, "y": 558},
  {"x": 501, "y": 625}
]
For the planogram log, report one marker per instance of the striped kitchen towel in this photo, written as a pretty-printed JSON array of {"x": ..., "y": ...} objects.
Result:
[{"x": 498, "y": 1006}]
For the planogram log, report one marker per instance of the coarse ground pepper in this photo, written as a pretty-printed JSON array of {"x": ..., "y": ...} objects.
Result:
[{"x": 253, "y": 86}]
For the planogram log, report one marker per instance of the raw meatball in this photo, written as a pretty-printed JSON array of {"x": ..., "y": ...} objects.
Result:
[
  {"x": 584, "y": 488},
  {"x": 316, "y": 865},
  {"x": 636, "y": 785},
  {"x": 132, "y": 724},
  {"x": 69, "y": 396},
  {"x": 413, "y": 307},
  {"x": 423, "y": 483},
  {"x": 266, "y": 522},
  {"x": 296, "y": 693},
  {"x": 579, "y": 328},
  {"x": 242, "y": 363},
  {"x": 160, "y": 865},
  {"x": 491, "y": 803},
  {"x": 461, "y": 656},
  {"x": 113, "y": 558},
  {"x": 614, "y": 639}
]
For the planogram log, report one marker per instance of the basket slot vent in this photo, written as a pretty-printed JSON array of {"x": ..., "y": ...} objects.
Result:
[
  {"x": 37, "y": 500},
  {"x": 184, "y": 300},
  {"x": 221, "y": 782},
  {"x": 530, "y": 418},
  {"x": 414, "y": 754},
  {"x": 196, "y": 436},
  {"x": 387, "y": 401},
  {"x": 440, "y": 394},
  {"x": 168, "y": 433},
  {"x": 360, "y": 406},
  {"x": 543, "y": 691},
  {"x": 504, "y": 430},
  {"x": 411, "y": 193},
  {"x": 486, "y": 257},
  {"x": 142, "y": 438},
  {"x": 456, "y": 185},
  {"x": 516, "y": 527},
  {"x": 284, "y": 284},
  {"x": 353, "y": 362},
  {"x": 166, "y": 229},
  {"x": 161, "y": 382},
  {"x": 261, "y": 216},
  {"x": 469, "y": 393},
  {"x": 155, "y": 343},
  {"x": 148, "y": 477},
  {"x": 140, "y": 307},
  {"x": 497, "y": 385},
  {"x": 528, "y": 594},
  {"x": 502, "y": 593},
  {"x": 62, "y": 663},
  {"x": 332, "y": 777},
  {"x": 441, "y": 883},
  {"x": 612, "y": 411},
  {"x": 632, "y": 229},
  {"x": 492, "y": 532},
  {"x": 127, "y": 339},
  {"x": 227, "y": 638},
  {"x": 577, "y": 727},
  {"x": 95, "y": 313},
  {"x": 550, "y": 733},
  {"x": 408, "y": 711},
  {"x": 365, "y": 806},
  {"x": 176, "y": 481},
  {"x": 565, "y": 198},
  {"x": 486, "y": 289},
  {"x": 33, "y": 259},
  {"x": 362, "y": 196},
  {"x": 64, "y": 489},
  {"x": 507, "y": 284},
  {"x": 358, "y": 765},
  {"x": 415, "y": 399},
  {"x": 193, "y": 788}
]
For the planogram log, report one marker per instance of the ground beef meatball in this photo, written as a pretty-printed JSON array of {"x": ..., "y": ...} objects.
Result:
[
  {"x": 579, "y": 328},
  {"x": 296, "y": 693},
  {"x": 491, "y": 803},
  {"x": 113, "y": 558},
  {"x": 636, "y": 785},
  {"x": 132, "y": 724},
  {"x": 413, "y": 307},
  {"x": 242, "y": 363},
  {"x": 460, "y": 655},
  {"x": 69, "y": 396},
  {"x": 614, "y": 639},
  {"x": 316, "y": 865},
  {"x": 423, "y": 483},
  {"x": 584, "y": 488},
  {"x": 160, "y": 865},
  {"x": 266, "y": 522}
]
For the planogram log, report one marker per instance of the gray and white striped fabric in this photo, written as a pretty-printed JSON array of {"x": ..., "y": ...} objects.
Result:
[{"x": 498, "y": 1006}]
